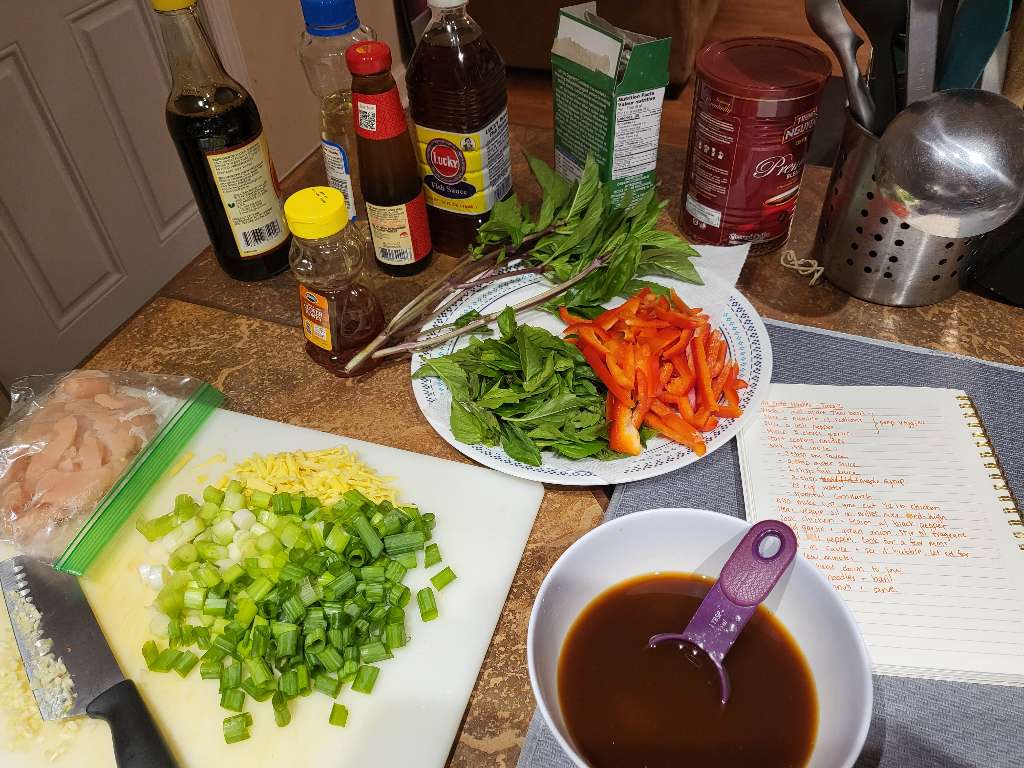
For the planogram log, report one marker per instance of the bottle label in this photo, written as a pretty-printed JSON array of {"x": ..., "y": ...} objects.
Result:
[
  {"x": 378, "y": 116},
  {"x": 465, "y": 172},
  {"x": 400, "y": 233},
  {"x": 248, "y": 190},
  {"x": 316, "y": 317},
  {"x": 336, "y": 163}
]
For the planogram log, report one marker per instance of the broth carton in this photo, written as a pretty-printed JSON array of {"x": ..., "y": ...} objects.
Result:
[{"x": 609, "y": 85}]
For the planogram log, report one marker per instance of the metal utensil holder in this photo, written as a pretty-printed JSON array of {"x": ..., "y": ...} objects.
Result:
[{"x": 868, "y": 250}]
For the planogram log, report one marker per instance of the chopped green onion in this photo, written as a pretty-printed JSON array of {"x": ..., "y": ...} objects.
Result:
[
  {"x": 211, "y": 669},
  {"x": 394, "y": 635},
  {"x": 150, "y": 653},
  {"x": 288, "y": 643},
  {"x": 195, "y": 599},
  {"x": 236, "y": 728},
  {"x": 288, "y": 684},
  {"x": 370, "y": 653},
  {"x": 366, "y": 678},
  {"x": 281, "y": 503},
  {"x": 213, "y": 495},
  {"x": 185, "y": 663},
  {"x": 337, "y": 539},
  {"x": 407, "y": 559},
  {"x": 281, "y": 714},
  {"x": 327, "y": 685},
  {"x": 166, "y": 660},
  {"x": 442, "y": 578},
  {"x": 427, "y": 604},
  {"x": 330, "y": 659},
  {"x": 230, "y": 677},
  {"x": 259, "y": 499},
  {"x": 432, "y": 555},
  {"x": 370, "y": 539},
  {"x": 339, "y": 715},
  {"x": 400, "y": 543},
  {"x": 233, "y": 699}
]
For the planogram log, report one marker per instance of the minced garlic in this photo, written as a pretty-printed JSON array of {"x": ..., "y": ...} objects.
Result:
[
  {"x": 25, "y": 727},
  {"x": 325, "y": 474}
]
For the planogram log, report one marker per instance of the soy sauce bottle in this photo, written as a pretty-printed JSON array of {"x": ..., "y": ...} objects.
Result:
[
  {"x": 218, "y": 133},
  {"x": 388, "y": 172}
]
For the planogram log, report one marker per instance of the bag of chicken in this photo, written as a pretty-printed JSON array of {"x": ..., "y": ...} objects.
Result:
[{"x": 79, "y": 450}]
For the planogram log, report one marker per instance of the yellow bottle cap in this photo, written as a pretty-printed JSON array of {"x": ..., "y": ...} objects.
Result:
[
  {"x": 316, "y": 212},
  {"x": 171, "y": 5}
]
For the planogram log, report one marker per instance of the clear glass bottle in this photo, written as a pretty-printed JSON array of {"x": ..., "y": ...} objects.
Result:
[
  {"x": 340, "y": 313},
  {"x": 331, "y": 27},
  {"x": 218, "y": 133}
]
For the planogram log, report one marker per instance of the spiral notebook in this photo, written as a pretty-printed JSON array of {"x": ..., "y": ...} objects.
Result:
[{"x": 895, "y": 493}]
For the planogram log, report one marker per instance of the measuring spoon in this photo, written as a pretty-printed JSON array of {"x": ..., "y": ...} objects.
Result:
[{"x": 748, "y": 577}]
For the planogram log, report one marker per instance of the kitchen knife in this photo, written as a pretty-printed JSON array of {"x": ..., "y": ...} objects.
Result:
[{"x": 100, "y": 689}]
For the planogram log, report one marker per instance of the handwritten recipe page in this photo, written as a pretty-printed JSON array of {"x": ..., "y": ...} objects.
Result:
[{"x": 888, "y": 491}]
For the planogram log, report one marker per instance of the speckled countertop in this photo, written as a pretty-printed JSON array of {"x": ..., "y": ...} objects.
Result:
[{"x": 244, "y": 338}]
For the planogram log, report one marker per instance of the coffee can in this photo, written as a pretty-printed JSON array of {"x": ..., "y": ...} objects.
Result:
[{"x": 755, "y": 104}]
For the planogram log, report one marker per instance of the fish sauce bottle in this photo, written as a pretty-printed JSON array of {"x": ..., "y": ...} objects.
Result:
[
  {"x": 331, "y": 27},
  {"x": 218, "y": 133},
  {"x": 457, "y": 98},
  {"x": 388, "y": 172},
  {"x": 340, "y": 314}
]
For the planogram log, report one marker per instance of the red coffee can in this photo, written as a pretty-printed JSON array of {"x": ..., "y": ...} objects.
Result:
[{"x": 754, "y": 107}]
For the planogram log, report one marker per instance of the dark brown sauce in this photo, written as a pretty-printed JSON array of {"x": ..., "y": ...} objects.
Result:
[{"x": 627, "y": 705}]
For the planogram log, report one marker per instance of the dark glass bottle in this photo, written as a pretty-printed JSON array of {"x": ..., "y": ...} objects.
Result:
[
  {"x": 388, "y": 172},
  {"x": 457, "y": 99},
  {"x": 217, "y": 131}
]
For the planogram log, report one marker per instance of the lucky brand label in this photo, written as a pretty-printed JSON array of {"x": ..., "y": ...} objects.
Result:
[{"x": 465, "y": 172}]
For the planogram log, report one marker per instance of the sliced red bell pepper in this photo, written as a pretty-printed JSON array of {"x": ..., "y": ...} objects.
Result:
[
  {"x": 623, "y": 436},
  {"x": 622, "y": 374},
  {"x": 730, "y": 411},
  {"x": 679, "y": 320},
  {"x": 703, "y": 374},
  {"x": 680, "y": 344},
  {"x": 569, "y": 319},
  {"x": 679, "y": 303},
  {"x": 593, "y": 358},
  {"x": 665, "y": 375},
  {"x": 596, "y": 337},
  {"x": 661, "y": 424}
]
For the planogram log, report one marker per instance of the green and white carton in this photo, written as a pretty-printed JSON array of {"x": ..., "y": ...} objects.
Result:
[{"x": 609, "y": 85}]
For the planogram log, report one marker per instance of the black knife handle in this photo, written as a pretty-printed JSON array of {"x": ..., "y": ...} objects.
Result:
[{"x": 137, "y": 741}]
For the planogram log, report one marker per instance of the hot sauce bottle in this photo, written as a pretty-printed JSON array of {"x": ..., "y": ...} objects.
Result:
[
  {"x": 340, "y": 314},
  {"x": 389, "y": 174}
]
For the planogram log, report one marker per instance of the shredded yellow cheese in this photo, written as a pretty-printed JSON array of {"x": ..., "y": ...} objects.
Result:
[
  {"x": 181, "y": 463},
  {"x": 325, "y": 474}
]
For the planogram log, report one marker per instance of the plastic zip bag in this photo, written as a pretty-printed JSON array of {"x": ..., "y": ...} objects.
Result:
[{"x": 79, "y": 450}]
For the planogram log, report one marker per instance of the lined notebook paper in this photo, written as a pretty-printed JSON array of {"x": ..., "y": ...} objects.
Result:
[{"x": 895, "y": 495}]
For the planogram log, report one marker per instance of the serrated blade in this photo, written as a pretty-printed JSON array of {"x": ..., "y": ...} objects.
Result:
[{"x": 68, "y": 622}]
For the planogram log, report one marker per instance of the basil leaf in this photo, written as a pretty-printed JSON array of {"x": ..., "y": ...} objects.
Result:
[
  {"x": 634, "y": 286},
  {"x": 555, "y": 188},
  {"x": 466, "y": 426},
  {"x": 589, "y": 187},
  {"x": 466, "y": 318},
  {"x": 668, "y": 263},
  {"x": 559, "y": 404},
  {"x": 580, "y": 450},
  {"x": 507, "y": 323},
  {"x": 518, "y": 446},
  {"x": 449, "y": 372}
]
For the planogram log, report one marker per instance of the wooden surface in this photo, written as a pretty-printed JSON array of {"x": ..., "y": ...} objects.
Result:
[{"x": 244, "y": 339}]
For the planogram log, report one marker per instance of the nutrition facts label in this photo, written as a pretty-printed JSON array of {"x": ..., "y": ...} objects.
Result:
[{"x": 637, "y": 123}]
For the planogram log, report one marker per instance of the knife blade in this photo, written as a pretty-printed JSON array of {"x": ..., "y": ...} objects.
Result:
[{"x": 53, "y": 626}]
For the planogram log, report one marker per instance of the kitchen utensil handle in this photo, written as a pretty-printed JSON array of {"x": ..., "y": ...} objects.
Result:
[
  {"x": 137, "y": 741},
  {"x": 861, "y": 104},
  {"x": 883, "y": 86},
  {"x": 758, "y": 562},
  {"x": 922, "y": 42}
]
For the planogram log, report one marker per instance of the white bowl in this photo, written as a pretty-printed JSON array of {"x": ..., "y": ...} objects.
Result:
[{"x": 698, "y": 541}]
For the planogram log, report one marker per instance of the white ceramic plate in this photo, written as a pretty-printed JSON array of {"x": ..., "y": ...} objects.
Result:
[
  {"x": 698, "y": 541},
  {"x": 740, "y": 323}
]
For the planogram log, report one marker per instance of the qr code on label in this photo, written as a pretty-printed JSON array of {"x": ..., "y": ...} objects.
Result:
[{"x": 367, "y": 116}]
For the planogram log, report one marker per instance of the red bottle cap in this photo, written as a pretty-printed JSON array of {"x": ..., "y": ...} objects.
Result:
[
  {"x": 763, "y": 68},
  {"x": 369, "y": 58}
]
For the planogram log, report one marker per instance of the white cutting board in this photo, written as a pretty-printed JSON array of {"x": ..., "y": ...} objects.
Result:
[{"x": 413, "y": 715}]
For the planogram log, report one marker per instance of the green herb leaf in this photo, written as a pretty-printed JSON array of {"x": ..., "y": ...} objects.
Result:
[
  {"x": 518, "y": 446},
  {"x": 668, "y": 263},
  {"x": 555, "y": 188},
  {"x": 466, "y": 426},
  {"x": 507, "y": 323},
  {"x": 635, "y": 286},
  {"x": 465, "y": 319},
  {"x": 588, "y": 189}
]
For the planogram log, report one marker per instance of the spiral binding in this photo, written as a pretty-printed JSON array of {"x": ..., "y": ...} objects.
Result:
[{"x": 982, "y": 440}]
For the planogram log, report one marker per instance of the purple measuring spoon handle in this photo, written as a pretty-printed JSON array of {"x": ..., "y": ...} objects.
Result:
[{"x": 747, "y": 578}]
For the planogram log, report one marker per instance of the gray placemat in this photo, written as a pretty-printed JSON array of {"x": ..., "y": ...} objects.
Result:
[{"x": 916, "y": 723}]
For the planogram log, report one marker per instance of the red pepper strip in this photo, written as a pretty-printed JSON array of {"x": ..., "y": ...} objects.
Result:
[
  {"x": 622, "y": 435},
  {"x": 683, "y": 438},
  {"x": 680, "y": 345},
  {"x": 620, "y": 373},
  {"x": 684, "y": 373},
  {"x": 731, "y": 397},
  {"x": 597, "y": 364},
  {"x": 609, "y": 406},
  {"x": 654, "y": 385},
  {"x": 665, "y": 374},
  {"x": 643, "y": 396},
  {"x": 678, "y": 319},
  {"x": 639, "y": 323},
  {"x": 569, "y": 319},
  {"x": 740, "y": 384},
  {"x": 687, "y": 412},
  {"x": 710, "y": 424},
  {"x": 609, "y": 317},
  {"x": 661, "y": 341},
  {"x": 595, "y": 337},
  {"x": 722, "y": 381},
  {"x": 680, "y": 427},
  {"x": 730, "y": 411},
  {"x": 700, "y": 360},
  {"x": 680, "y": 304},
  {"x": 700, "y": 418}
]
